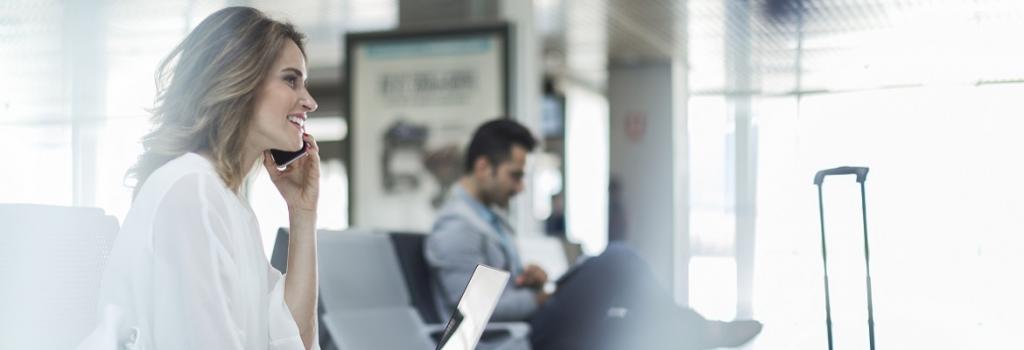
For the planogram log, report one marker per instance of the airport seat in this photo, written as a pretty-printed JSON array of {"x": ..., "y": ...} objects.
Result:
[
  {"x": 409, "y": 249},
  {"x": 366, "y": 303},
  {"x": 369, "y": 305},
  {"x": 52, "y": 259}
]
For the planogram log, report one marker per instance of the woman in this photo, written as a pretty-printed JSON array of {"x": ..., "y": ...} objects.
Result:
[{"x": 188, "y": 270}]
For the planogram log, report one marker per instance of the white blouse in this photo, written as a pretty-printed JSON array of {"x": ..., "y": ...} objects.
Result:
[{"x": 188, "y": 271}]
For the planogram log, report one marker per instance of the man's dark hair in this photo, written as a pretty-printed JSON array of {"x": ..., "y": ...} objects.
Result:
[{"x": 494, "y": 140}]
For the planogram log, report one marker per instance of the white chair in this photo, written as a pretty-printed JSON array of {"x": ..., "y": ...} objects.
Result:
[{"x": 51, "y": 260}]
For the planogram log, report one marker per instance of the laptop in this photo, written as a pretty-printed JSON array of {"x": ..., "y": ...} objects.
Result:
[{"x": 467, "y": 323}]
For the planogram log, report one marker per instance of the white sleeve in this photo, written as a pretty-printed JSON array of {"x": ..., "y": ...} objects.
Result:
[
  {"x": 284, "y": 333},
  {"x": 194, "y": 275}
]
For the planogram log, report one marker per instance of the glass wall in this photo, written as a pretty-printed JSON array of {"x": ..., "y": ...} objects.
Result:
[{"x": 926, "y": 94}]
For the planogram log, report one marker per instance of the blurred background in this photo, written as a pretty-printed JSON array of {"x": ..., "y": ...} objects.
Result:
[{"x": 706, "y": 118}]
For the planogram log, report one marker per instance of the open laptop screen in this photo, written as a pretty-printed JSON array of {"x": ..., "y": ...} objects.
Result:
[{"x": 470, "y": 317}]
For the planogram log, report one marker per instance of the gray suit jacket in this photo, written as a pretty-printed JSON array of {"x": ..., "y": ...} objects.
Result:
[{"x": 459, "y": 241}]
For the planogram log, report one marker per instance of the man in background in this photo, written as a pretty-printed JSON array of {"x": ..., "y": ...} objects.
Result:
[{"x": 609, "y": 300}]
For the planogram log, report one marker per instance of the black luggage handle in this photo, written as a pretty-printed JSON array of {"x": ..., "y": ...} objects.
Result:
[
  {"x": 861, "y": 172},
  {"x": 862, "y": 176}
]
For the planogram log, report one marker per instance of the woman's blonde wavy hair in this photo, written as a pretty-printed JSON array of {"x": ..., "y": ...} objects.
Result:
[{"x": 207, "y": 89}]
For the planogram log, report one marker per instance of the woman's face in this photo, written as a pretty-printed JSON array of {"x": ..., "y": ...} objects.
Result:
[{"x": 282, "y": 104}]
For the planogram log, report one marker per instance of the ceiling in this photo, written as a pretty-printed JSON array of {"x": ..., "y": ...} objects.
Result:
[
  {"x": 734, "y": 46},
  {"x": 729, "y": 46}
]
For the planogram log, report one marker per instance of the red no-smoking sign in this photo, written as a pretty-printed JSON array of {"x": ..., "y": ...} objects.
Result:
[{"x": 636, "y": 126}]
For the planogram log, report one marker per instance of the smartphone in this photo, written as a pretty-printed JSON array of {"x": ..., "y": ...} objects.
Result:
[{"x": 283, "y": 158}]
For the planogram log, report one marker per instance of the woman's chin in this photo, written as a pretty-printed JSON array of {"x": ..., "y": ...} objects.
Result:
[
  {"x": 288, "y": 148},
  {"x": 292, "y": 145}
]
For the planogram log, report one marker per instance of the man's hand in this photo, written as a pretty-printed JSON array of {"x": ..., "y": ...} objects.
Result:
[
  {"x": 533, "y": 276},
  {"x": 542, "y": 297}
]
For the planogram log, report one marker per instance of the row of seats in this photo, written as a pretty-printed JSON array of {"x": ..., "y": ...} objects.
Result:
[
  {"x": 374, "y": 286},
  {"x": 51, "y": 262},
  {"x": 375, "y": 292}
]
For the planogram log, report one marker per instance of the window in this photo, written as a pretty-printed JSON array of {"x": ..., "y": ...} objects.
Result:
[
  {"x": 78, "y": 80},
  {"x": 928, "y": 96}
]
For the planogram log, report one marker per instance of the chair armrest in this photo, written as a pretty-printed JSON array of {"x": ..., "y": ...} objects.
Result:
[
  {"x": 515, "y": 329},
  {"x": 506, "y": 336},
  {"x": 433, "y": 328},
  {"x": 497, "y": 335}
]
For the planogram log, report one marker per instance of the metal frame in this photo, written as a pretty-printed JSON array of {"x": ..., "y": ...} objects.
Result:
[{"x": 862, "y": 176}]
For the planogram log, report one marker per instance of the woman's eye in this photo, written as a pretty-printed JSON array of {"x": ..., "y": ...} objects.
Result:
[{"x": 292, "y": 80}]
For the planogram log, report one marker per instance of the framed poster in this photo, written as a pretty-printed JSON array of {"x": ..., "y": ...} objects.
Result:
[{"x": 414, "y": 100}]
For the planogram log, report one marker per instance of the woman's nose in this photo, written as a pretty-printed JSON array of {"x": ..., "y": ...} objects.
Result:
[{"x": 309, "y": 103}]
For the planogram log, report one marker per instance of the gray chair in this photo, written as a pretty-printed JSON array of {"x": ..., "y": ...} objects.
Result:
[
  {"x": 364, "y": 298},
  {"x": 367, "y": 302},
  {"x": 52, "y": 260}
]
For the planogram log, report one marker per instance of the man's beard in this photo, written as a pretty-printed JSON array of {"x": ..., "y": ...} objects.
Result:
[
  {"x": 503, "y": 204},
  {"x": 497, "y": 201}
]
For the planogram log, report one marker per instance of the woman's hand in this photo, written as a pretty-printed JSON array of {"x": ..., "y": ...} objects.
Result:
[{"x": 299, "y": 184}]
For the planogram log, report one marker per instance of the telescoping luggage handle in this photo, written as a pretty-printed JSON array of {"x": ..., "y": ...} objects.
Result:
[
  {"x": 861, "y": 172},
  {"x": 862, "y": 176}
]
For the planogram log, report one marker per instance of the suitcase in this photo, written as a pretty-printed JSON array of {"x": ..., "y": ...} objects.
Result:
[{"x": 862, "y": 175}]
